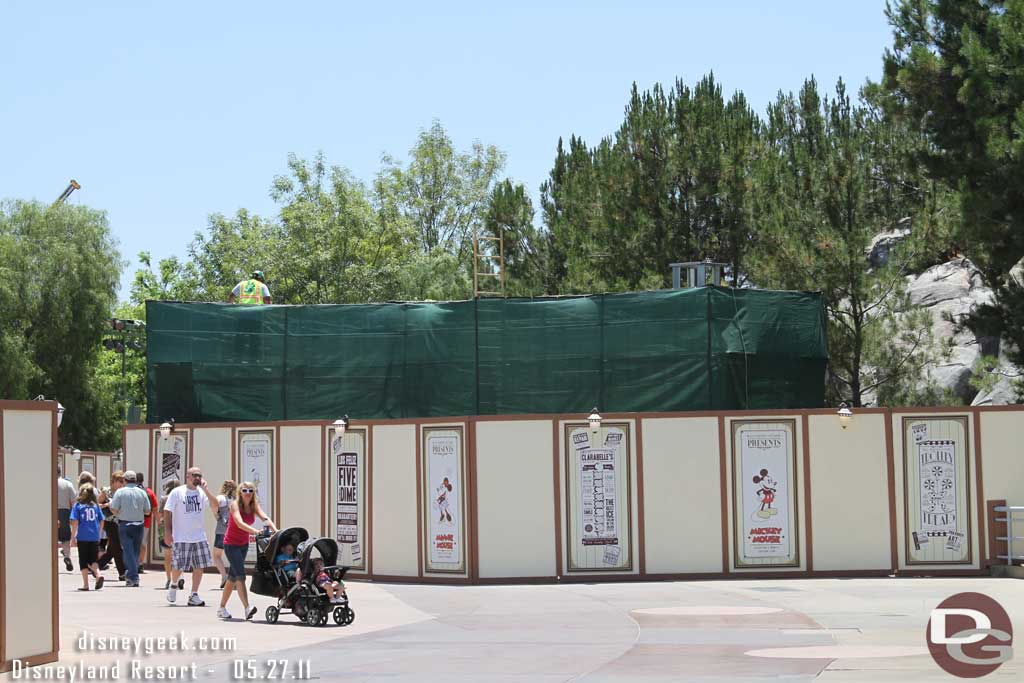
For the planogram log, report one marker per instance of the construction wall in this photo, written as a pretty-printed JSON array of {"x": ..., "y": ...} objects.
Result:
[
  {"x": 28, "y": 596},
  {"x": 538, "y": 498}
]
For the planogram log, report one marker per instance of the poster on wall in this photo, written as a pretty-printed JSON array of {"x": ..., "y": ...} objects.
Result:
[
  {"x": 88, "y": 464},
  {"x": 443, "y": 479},
  {"x": 764, "y": 495},
  {"x": 346, "y": 469},
  {"x": 255, "y": 454},
  {"x": 171, "y": 459},
  {"x": 936, "y": 490},
  {"x": 598, "y": 481}
]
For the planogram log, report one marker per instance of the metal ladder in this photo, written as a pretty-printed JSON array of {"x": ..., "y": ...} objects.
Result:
[{"x": 484, "y": 262}]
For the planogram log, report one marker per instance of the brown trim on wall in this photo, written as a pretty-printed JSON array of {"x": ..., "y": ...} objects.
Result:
[
  {"x": 641, "y": 535},
  {"x": 543, "y": 417},
  {"x": 277, "y": 471},
  {"x": 555, "y": 476},
  {"x": 3, "y": 558},
  {"x": 234, "y": 456},
  {"x": 323, "y": 480},
  {"x": 419, "y": 506},
  {"x": 124, "y": 450},
  {"x": 806, "y": 440},
  {"x": 425, "y": 580},
  {"x": 890, "y": 465},
  {"x": 723, "y": 481},
  {"x": 190, "y": 451},
  {"x": 473, "y": 568},
  {"x": 982, "y": 520},
  {"x": 55, "y": 619},
  {"x": 368, "y": 538}
]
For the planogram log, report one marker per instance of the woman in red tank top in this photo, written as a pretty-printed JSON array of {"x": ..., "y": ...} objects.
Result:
[{"x": 241, "y": 517}]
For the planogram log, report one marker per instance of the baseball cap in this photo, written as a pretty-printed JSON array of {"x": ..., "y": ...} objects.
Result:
[{"x": 129, "y": 475}]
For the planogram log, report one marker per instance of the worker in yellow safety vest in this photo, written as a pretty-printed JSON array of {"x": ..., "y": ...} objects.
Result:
[{"x": 251, "y": 292}]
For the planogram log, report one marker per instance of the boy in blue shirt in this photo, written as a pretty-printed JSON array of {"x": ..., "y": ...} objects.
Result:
[
  {"x": 86, "y": 518},
  {"x": 287, "y": 561}
]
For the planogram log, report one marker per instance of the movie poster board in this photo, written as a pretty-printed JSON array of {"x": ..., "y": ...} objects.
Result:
[
  {"x": 346, "y": 506},
  {"x": 597, "y": 476},
  {"x": 936, "y": 490},
  {"x": 88, "y": 464},
  {"x": 170, "y": 460},
  {"x": 256, "y": 464},
  {"x": 765, "y": 510},
  {"x": 444, "y": 499}
]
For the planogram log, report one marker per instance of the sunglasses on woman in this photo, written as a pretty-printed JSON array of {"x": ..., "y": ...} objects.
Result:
[{"x": 248, "y": 490}]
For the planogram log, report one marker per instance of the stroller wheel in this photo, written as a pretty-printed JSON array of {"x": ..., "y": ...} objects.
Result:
[
  {"x": 339, "y": 615},
  {"x": 350, "y": 615},
  {"x": 272, "y": 614},
  {"x": 313, "y": 616},
  {"x": 323, "y": 618}
]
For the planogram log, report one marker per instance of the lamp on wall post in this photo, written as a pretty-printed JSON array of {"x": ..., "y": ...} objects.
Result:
[
  {"x": 340, "y": 425},
  {"x": 595, "y": 422},
  {"x": 76, "y": 454},
  {"x": 167, "y": 428},
  {"x": 845, "y": 415}
]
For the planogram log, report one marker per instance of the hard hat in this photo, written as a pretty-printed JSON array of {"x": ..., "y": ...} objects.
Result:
[{"x": 257, "y": 275}]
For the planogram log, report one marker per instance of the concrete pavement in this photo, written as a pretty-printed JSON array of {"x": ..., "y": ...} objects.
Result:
[{"x": 749, "y": 631}]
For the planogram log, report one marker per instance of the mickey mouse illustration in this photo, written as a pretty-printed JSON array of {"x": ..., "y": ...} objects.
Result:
[{"x": 767, "y": 494}]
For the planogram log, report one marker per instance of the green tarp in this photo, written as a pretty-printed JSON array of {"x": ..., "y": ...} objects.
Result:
[{"x": 694, "y": 349}]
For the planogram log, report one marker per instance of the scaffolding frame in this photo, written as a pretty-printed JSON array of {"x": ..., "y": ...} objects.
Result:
[{"x": 484, "y": 264}]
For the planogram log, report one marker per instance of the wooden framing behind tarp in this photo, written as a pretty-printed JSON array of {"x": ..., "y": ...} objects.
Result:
[
  {"x": 668, "y": 512},
  {"x": 29, "y": 602}
]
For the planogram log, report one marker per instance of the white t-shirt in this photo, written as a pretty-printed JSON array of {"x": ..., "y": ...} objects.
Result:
[{"x": 186, "y": 508}]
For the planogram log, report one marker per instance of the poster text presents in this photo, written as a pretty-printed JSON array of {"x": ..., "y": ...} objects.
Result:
[
  {"x": 765, "y": 506},
  {"x": 444, "y": 480}
]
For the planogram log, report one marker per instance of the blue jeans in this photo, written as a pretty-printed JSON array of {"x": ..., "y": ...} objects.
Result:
[{"x": 131, "y": 543}]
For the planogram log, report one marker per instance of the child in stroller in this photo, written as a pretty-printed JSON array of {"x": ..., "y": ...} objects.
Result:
[{"x": 301, "y": 592}]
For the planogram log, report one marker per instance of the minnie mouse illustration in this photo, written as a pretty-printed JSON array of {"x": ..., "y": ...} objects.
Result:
[
  {"x": 767, "y": 494},
  {"x": 442, "y": 499}
]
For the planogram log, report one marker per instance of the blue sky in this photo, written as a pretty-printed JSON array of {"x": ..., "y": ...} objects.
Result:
[{"x": 168, "y": 112}]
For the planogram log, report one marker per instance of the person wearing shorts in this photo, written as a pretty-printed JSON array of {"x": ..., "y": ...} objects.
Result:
[
  {"x": 242, "y": 516},
  {"x": 165, "y": 549},
  {"x": 86, "y": 518},
  {"x": 66, "y": 495},
  {"x": 227, "y": 493},
  {"x": 185, "y": 532}
]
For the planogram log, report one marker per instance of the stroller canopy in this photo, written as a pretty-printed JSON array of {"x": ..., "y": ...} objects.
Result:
[
  {"x": 294, "y": 535},
  {"x": 328, "y": 549}
]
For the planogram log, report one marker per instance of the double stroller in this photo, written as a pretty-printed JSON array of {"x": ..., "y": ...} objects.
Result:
[{"x": 306, "y": 600}]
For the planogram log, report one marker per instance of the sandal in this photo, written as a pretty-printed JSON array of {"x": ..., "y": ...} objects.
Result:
[{"x": 83, "y": 589}]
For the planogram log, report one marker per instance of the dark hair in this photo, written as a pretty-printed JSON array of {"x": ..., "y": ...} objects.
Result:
[
  {"x": 138, "y": 477},
  {"x": 171, "y": 485}
]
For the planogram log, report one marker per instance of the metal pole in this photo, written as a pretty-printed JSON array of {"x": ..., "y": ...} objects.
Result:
[
  {"x": 124, "y": 386},
  {"x": 1009, "y": 535}
]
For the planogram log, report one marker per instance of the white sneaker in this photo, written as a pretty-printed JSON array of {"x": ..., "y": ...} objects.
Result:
[
  {"x": 223, "y": 613},
  {"x": 172, "y": 594},
  {"x": 195, "y": 601}
]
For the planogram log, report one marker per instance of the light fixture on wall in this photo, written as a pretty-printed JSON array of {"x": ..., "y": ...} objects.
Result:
[
  {"x": 167, "y": 428},
  {"x": 60, "y": 408},
  {"x": 340, "y": 425},
  {"x": 76, "y": 454},
  {"x": 845, "y": 415},
  {"x": 594, "y": 419}
]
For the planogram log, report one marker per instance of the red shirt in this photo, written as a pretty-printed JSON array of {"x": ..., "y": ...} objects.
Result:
[
  {"x": 234, "y": 535},
  {"x": 147, "y": 521}
]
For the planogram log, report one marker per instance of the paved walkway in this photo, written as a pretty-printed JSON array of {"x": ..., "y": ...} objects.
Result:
[{"x": 747, "y": 631}]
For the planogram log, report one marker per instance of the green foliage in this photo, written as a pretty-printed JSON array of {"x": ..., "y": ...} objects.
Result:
[
  {"x": 956, "y": 70},
  {"x": 673, "y": 184},
  {"x": 60, "y": 269},
  {"x": 832, "y": 177}
]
